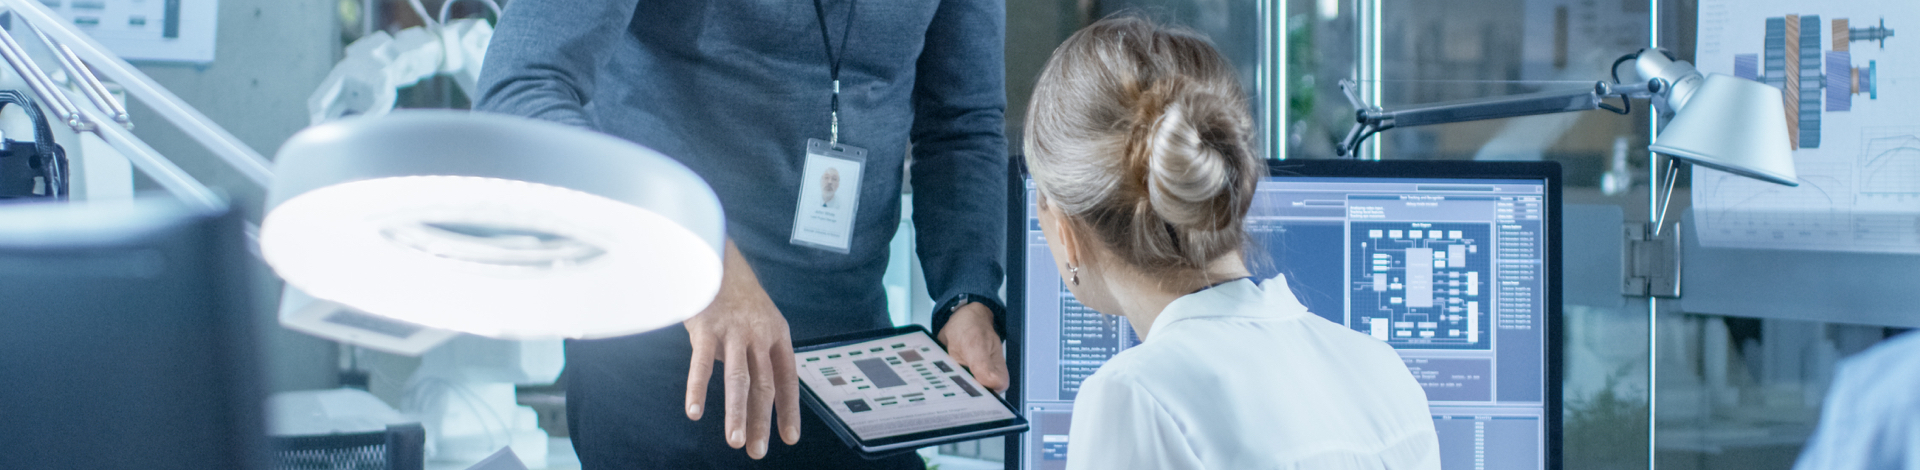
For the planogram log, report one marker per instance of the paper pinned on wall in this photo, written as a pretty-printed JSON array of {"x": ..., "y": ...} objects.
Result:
[
  {"x": 1848, "y": 83},
  {"x": 146, "y": 30}
]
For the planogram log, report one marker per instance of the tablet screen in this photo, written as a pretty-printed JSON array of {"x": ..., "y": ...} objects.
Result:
[{"x": 897, "y": 385}]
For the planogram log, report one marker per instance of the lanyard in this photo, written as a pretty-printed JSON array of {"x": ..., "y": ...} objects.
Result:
[{"x": 833, "y": 59}]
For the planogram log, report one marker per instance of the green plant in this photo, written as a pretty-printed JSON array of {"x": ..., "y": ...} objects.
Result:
[{"x": 1605, "y": 430}]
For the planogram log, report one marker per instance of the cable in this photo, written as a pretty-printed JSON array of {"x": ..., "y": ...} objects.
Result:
[
  {"x": 1615, "y": 69},
  {"x": 51, "y": 157},
  {"x": 420, "y": 398},
  {"x": 1626, "y": 106},
  {"x": 1353, "y": 152},
  {"x": 421, "y": 11},
  {"x": 447, "y": 8},
  {"x": 1626, "y": 102}
]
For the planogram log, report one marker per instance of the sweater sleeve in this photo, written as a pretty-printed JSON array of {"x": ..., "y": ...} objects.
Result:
[
  {"x": 544, "y": 55},
  {"x": 959, "y": 169}
]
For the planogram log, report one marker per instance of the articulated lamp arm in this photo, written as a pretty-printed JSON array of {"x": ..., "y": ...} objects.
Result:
[
  {"x": 107, "y": 120},
  {"x": 1370, "y": 120}
]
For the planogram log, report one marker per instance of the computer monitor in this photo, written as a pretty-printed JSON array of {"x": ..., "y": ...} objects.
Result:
[
  {"x": 1454, "y": 264},
  {"x": 126, "y": 338}
]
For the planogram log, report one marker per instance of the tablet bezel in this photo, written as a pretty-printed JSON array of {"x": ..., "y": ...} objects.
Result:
[{"x": 905, "y": 442}]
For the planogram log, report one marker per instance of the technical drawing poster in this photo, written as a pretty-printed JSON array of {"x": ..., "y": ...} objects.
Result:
[{"x": 1847, "y": 71}]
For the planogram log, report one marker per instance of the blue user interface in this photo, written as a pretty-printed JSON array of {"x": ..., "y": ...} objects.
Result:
[{"x": 1451, "y": 272}]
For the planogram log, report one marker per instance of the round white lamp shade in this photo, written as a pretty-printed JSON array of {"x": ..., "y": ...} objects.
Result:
[
  {"x": 492, "y": 225},
  {"x": 1733, "y": 125}
]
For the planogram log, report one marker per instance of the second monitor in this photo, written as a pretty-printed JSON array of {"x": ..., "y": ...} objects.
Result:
[{"x": 1454, "y": 264}]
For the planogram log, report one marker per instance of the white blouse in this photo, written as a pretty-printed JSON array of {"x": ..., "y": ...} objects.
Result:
[{"x": 1241, "y": 376}]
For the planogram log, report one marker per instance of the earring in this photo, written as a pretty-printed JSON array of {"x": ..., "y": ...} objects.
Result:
[{"x": 1075, "y": 270}]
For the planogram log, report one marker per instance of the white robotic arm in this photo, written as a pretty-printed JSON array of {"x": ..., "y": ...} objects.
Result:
[{"x": 377, "y": 66}]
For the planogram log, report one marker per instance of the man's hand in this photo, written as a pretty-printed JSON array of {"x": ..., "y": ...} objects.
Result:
[
  {"x": 744, "y": 330},
  {"x": 971, "y": 341}
]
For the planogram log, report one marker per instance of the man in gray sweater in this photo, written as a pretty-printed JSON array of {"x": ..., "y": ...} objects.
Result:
[{"x": 735, "y": 89}]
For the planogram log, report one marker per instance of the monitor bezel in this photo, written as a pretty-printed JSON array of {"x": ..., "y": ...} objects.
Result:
[
  {"x": 1015, "y": 301},
  {"x": 1547, "y": 171}
]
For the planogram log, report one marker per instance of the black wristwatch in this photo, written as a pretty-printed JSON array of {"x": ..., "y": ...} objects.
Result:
[{"x": 946, "y": 310}]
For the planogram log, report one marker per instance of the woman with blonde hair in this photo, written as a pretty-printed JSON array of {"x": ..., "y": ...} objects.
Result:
[{"x": 1139, "y": 140}]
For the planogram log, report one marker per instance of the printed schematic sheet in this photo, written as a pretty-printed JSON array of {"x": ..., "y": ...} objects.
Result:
[{"x": 1848, "y": 83}]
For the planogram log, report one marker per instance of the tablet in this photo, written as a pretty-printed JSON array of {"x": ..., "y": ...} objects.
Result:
[{"x": 895, "y": 389}]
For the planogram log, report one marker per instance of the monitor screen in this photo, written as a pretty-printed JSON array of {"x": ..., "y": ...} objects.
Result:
[
  {"x": 127, "y": 338},
  {"x": 1453, "y": 272}
]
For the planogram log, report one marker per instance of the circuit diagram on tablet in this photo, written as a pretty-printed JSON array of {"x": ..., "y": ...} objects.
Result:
[{"x": 897, "y": 386}]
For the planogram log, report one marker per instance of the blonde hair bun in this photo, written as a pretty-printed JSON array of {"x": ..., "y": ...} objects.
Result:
[
  {"x": 1140, "y": 133},
  {"x": 1189, "y": 184}
]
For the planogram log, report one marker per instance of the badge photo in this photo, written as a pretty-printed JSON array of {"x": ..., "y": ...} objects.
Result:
[{"x": 829, "y": 196}]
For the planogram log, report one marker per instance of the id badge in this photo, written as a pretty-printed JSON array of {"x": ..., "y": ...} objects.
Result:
[{"x": 829, "y": 196}]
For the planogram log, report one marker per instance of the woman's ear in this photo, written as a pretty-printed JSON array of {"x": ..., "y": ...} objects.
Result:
[{"x": 1069, "y": 237}]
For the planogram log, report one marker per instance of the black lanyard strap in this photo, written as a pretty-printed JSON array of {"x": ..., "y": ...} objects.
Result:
[{"x": 834, "y": 59}]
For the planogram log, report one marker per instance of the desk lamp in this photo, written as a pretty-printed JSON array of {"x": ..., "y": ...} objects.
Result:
[
  {"x": 1721, "y": 122},
  {"x": 413, "y": 226},
  {"x": 1730, "y": 124},
  {"x": 492, "y": 225}
]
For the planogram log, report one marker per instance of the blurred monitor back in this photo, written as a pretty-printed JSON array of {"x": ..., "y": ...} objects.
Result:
[{"x": 126, "y": 339}]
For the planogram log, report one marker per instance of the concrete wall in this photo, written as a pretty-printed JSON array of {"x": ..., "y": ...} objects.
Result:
[{"x": 269, "y": 56}]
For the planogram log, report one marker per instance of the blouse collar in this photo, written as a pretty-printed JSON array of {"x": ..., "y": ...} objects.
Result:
[{"x": 1243, "y": 298}]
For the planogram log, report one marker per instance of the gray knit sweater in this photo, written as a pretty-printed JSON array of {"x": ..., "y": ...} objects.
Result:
[{"x": 734, "y": 88}]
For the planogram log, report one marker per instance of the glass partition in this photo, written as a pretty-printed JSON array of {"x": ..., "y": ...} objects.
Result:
[
  {"x": 1747, "y": 357},
  {"x": 1434, "y": 52},
  {"x": 1742, "y": 362}
]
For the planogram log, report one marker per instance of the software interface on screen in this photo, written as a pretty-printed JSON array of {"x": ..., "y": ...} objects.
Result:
[{"x": 1450, "y": 272}]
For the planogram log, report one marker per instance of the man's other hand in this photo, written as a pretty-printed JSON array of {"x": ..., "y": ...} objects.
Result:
[{"x": 971, "y": 341}]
